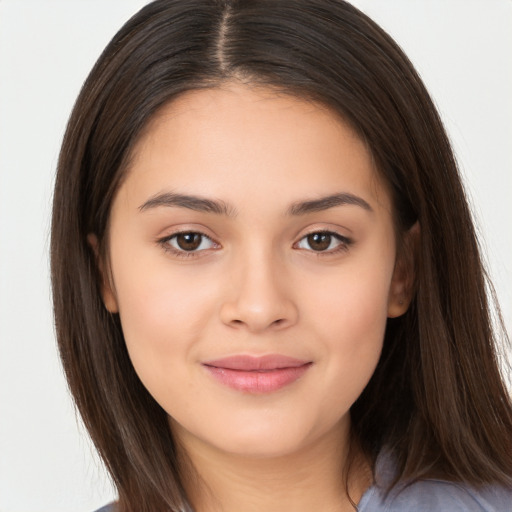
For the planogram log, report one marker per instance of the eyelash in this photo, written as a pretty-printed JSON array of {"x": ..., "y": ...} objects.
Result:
[
  {"x": 181, "y": 253},
  {"x": 344, "y": 243}
]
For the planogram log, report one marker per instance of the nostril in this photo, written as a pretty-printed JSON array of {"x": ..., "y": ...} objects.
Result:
[{"x": 275, "y": 323}]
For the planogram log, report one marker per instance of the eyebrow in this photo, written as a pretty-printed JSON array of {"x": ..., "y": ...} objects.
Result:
[
  {"x": 202, "y": 204},
  {"x": 197, "y": 203},
  {"x": 324, "y": 203}
]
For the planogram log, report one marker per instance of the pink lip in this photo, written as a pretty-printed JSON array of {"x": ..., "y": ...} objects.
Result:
[{"x": 251, "y": 374}]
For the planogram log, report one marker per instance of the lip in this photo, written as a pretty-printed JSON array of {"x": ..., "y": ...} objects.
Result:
[{"x": 257, "y": 374}]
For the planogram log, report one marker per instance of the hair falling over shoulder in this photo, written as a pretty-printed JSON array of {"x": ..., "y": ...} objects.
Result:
[{"x": 437, "y": 399}]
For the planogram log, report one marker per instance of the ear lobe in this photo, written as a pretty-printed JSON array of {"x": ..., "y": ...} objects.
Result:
[
  {"x": 107, "y": 289},
  {"x": 401, "y": 290}
]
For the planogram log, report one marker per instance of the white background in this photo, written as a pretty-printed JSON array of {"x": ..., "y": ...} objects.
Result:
[{"x": 462, "y": 49}]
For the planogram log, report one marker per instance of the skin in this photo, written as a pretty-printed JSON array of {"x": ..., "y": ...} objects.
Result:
[{"x": 255, "y": 286}]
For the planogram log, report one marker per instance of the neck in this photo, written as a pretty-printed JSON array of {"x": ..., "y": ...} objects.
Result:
[{"x": 300, "y": 481}]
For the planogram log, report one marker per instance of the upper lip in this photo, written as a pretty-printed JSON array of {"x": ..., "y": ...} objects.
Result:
[{"x": 253, "y": 363}]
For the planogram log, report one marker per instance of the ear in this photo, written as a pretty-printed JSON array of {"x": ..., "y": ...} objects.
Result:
[
  {"x": 107, "y": 288},
  {"x": 402, "y": 286}
]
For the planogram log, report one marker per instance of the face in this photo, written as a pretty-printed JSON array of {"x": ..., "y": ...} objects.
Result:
[{"x": 252, "y": 263}]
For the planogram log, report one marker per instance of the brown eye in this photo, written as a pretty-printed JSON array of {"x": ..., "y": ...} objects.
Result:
[
  {"x": 319, "y": 241},
  {"x": 324, "y": 241},
  {"x": 188, "y": 241}
]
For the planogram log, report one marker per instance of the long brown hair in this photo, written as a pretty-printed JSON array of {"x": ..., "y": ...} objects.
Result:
[{"x": 437, "y": 399}]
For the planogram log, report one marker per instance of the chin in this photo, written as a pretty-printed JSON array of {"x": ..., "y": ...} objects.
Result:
[
  {"x": 262, "y": 447},
  {"x": 272, "y": 439}
]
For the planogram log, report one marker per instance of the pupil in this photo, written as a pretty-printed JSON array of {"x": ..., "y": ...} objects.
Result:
[
  {"x": 188, "y": 241},
  {"x": 319, "y": 241}
]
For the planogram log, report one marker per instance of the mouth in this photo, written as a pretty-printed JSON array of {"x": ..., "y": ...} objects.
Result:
[{"x": 257, "y": 375}]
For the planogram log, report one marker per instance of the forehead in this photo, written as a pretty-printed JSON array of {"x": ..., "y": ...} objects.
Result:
[{"x": 238, "y": 140}]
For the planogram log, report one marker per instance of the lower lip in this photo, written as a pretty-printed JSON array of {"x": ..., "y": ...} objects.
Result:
[{"x": 258, "y": 382}]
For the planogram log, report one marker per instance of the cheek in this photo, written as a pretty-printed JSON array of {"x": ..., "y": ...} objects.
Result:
[
  {"x": 349, "y": 319},
  {"x": 163, "y": 316},
  {"x": 352, "y": 302}
]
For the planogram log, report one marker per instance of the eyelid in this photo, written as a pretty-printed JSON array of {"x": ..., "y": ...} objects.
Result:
[
  {"x": 167, "y": 247},
  {"x": 344, "y": 241},
  {"x": 343, "y": 245}
]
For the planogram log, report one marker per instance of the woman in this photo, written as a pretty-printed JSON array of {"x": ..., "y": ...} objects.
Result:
[{"x": 267, "y": 286}]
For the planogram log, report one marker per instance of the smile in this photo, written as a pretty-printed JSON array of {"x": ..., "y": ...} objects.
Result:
[{"x": 257, "y": 375}]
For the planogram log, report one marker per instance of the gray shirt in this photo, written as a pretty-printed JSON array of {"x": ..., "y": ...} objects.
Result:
[
  {"x": 437, "y": 496},
  {"x": 425, "y": 496}
]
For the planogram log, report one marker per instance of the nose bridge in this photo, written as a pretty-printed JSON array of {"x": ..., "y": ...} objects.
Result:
[{"x": 260, "y": 298}]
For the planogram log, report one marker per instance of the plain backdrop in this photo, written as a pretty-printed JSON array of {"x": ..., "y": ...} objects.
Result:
[{"x": 462, "y": 49}]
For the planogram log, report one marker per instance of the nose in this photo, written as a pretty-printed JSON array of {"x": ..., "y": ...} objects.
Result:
[{"x": 260, "y": 296}]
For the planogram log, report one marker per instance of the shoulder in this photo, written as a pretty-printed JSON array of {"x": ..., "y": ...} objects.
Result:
[
  {"x": 438, "y": 495},
  {"x": 107, "y": 508},
  {"x": 431, "y": 495}
]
